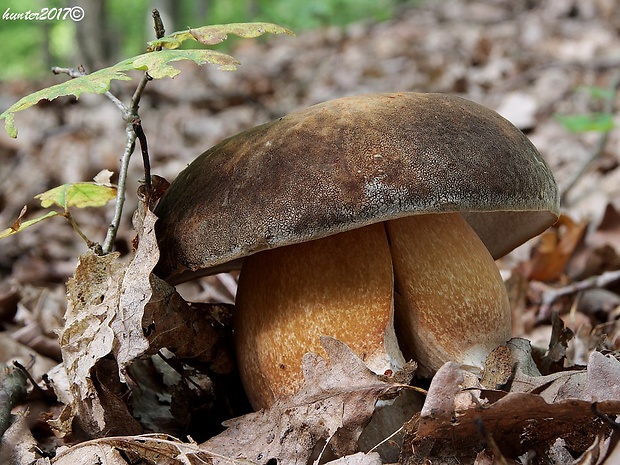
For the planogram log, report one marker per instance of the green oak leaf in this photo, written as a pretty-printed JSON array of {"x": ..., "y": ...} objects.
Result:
[
  {"x": 79, "y": 194},
  {"x": 156, "y": 64},
  {"x": 215, "y": 34}
]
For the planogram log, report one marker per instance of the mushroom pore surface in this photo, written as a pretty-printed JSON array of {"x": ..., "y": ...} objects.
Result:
[{"x": 451, "y": 302}]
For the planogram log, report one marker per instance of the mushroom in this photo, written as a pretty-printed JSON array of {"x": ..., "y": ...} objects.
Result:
[{"x": 352, "y": 210}]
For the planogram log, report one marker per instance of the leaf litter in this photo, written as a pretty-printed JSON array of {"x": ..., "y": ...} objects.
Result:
[
  {"x": 545, "y": 402},
  {"x": 457, "y": 422}
]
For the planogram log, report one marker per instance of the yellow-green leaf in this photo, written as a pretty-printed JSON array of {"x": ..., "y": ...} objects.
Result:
[
  {"x": 21, "y": 225},
  {"x": 79, "y": 194},
  {"x": 215, "y": 34},
  {"x": 157, "y": 65}
]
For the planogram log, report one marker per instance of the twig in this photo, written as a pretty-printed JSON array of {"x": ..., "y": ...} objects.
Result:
[
  {"x": 550, "y": 295},
  {"x": 160, "y": 31},
  {"x": 40, "y": 392},
  {"x": 71, "y": 72},
  {"x": 120, "y": 195},
  {"x": 614, "y": 84},
  {"x": 79, "y": 72},
  {"x": 387, "y": 439},
  {"x": 130, "y": 116},
  {"x": 606, "y": 419},
  {"x": 121, "y": 106},
  {"x": 122, "y": 175},
  {"x": 137, "y": 128}
]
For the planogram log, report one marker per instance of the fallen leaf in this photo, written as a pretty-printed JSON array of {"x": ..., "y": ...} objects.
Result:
[
  {"x": 136, "y": 292},
  {"x": 17, "y": 445},
  {"x": 336, "y": 402},
  {"x": 159, "y": 449},
  {"x": 518, "y": 422},
  {"x": 85, "y": 340},
  {"x": 608, "y": 230},
  {"x": 361, "y": 458},
  {"x": 190, "y": 331},
  {"x": 603, "y": 378},
  {"x": 555, "y": 248}
]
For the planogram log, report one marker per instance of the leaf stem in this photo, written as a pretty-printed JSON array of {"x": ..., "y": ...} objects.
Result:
[
  {"x": 121, "y": 106},
  {"x": 91, "y": 245}
]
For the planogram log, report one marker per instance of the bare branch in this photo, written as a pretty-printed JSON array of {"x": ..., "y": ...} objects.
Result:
[
  {"x": 108, "y": 243},
  {"x": 550, "y": 295}
]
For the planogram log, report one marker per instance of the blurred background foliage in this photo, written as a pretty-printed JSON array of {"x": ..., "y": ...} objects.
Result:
[{"x": 115, "y": 29}]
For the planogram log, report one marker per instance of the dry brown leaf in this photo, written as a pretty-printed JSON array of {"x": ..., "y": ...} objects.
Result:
[
  {"x": 600, "y": 249},
  {"x": 86, "y": 338},
  {"x": 130, "y": 341},
  {"x": 361, "y": 458},
  {"x": 190, "y": 331},
  {"x": 152, "y": 315},
  {"x": 557, "y": 406},
  {"x": 555, "y": 248},
  {"x": 96, "y": 292},
  {"x": 17, "y": 446},
  {"x": 608, "y": 230},
  {"x": 126, "y": 313},
  {"x": 603, "y": 379},
  {"x": 155, "y": 449},
  {"x": 335, "y": 403}
]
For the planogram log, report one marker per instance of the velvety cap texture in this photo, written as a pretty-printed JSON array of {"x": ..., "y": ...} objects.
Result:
[{"x": 350, "y": 162}]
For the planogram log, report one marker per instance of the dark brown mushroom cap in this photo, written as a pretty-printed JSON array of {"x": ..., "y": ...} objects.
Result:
[{"x": 350, "y": 162}]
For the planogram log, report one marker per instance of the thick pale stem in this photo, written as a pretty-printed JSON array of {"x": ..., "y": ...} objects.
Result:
[
  {"x": 451, "y": 302},
  {"x": 340, "y": 286}
]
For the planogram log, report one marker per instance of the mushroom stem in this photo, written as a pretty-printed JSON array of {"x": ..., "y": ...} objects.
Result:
[
  {"x": 339, "y": 286},
  {"x": 451, "y": 303}
]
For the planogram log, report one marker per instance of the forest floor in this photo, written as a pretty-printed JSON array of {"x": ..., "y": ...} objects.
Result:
[{"x": 535, "y": 62}]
